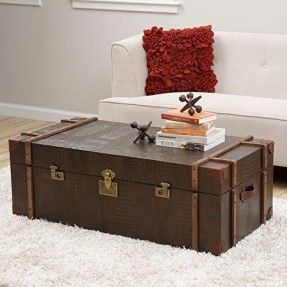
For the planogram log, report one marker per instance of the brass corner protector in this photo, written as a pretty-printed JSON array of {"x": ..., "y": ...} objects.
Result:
[
  {"x": 13, "y": 145},
  {"x": 218, "y": 248},
  {"x": 271, "y": 147},
  {"x": 218, "y": 175}
]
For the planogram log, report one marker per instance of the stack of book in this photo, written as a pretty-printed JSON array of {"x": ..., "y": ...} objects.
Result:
[{"x": 197, "y": 132}]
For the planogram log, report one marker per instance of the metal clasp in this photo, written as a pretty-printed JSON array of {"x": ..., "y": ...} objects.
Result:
[
  {"x": 107, "y": 186},
  {"x": 55, "y": 174},
  {"x": 163, "y": 191}
]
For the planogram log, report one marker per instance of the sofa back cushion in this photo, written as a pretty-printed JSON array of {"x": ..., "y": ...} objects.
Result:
[
  {"x": 245, "y": 64},
  {"x": 251, "y": 64}
]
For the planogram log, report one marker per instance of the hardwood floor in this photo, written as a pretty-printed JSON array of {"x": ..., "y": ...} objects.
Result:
[{"x": 12, "y": 126}]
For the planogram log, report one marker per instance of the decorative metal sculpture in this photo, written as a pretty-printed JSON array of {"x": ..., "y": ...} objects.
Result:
[
  {"x": 142, "y": 132},
  {"x": 190, "y": 104}
]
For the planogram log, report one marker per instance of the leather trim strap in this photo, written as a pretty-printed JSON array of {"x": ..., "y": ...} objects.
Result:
[
  {"x": 196, "y": 164},
  {"x": 63, "y": 129},
  {"x": 73, "y": 120},
  {"x": 233, "y": 234},
  {"x": 194, "y": 221},
  {"x": 37, "y": 136},
  {"x": 30, "y": 191},
  {"x": 234, "y": 173},
  {"x": 28, "y": 153},
  {"x": 233, "y": 227},
  {"x": 29, "y": 179},
  {"x": 32, "y": 134},
  {"x": 195, "y": 188},
  {"x": 264, "y": 149},
  {"x": 264, "y": 181},
  {"x": 77, "y": 122}
]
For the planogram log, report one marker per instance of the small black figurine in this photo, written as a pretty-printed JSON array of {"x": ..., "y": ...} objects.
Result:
[
  {"x": 142, "y": 132},
  {"x": 190, "y": 104}
]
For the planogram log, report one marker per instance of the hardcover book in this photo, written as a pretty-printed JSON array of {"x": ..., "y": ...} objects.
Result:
[
  {"x": 197, "y": 118},
  {"x": 183, "y": 125},
  {"x": 193, "y": 146},
  {"x": 188, "y": 131},
  {"x": 218, "y": 133}
]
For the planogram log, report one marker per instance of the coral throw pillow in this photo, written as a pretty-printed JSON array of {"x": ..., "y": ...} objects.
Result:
[{"x": 179, "y": 60}]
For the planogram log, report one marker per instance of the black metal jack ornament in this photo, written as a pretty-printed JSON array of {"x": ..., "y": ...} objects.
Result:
[
  {"x": 190, "y": 104},
  {"x": 142, "y": 134}
]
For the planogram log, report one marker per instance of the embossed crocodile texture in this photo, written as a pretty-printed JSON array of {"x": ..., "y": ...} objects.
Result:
[{"x": 84, "y": 152}]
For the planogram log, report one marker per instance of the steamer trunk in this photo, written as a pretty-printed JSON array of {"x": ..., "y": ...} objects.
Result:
[{"x": 89, "y": 173}]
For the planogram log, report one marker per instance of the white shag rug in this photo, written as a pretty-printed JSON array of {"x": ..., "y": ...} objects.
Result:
[{"x": 39, "y": 253}]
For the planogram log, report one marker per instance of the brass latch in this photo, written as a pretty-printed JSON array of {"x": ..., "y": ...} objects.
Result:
[
  {"x": 107, "y": 186},
  {"x": 163, "y": 191},
  {"x": 55, "y": 174}
]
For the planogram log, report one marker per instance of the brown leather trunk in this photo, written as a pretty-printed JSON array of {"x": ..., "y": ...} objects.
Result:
[{"x": 89, "y": 173}]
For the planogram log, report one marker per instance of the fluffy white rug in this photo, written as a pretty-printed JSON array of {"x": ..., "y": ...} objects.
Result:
[{"x": 39, "y": 253}]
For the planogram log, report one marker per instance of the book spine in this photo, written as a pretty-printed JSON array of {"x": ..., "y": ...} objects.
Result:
[
  {"x": 179, "y": 119},
  {"x": 182, "y": 138},
  {"x": 181, "y": 145},
  {"x": 180, "y": 131},
  {"x": 181, "y": 125},
  {"x": 170, "y": 143}
]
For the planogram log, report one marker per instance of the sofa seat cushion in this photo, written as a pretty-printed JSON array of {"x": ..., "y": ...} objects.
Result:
[
  {"x": 239, "y": 115},
  {"x": 216, "y": 102}
]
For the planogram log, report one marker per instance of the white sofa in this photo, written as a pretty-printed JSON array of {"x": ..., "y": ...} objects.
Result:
[{"x": 250, "y": 98}]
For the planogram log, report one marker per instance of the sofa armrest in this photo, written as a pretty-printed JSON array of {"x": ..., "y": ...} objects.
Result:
[{"x": 129, "y": 69}]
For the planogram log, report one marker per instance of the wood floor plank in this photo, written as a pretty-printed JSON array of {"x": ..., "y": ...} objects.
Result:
[{"x": 13, "y": 126}]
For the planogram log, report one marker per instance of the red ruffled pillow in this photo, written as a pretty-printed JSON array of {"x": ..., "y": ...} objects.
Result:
[{"x": 179, "y": 60}]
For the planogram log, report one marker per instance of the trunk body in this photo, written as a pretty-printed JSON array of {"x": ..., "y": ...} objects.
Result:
[{"x": 89, "y": 173}]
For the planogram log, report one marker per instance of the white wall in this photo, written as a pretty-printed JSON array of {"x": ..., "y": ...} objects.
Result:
[{"x": 58, "y": 57}]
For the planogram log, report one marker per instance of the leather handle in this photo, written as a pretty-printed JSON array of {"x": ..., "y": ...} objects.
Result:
[{"x": 247, "y": 193}]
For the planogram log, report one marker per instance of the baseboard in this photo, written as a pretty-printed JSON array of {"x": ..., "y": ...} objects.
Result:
[
  {"x": 22, "y": 2},
  {"x": 39, "y": 113}
]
